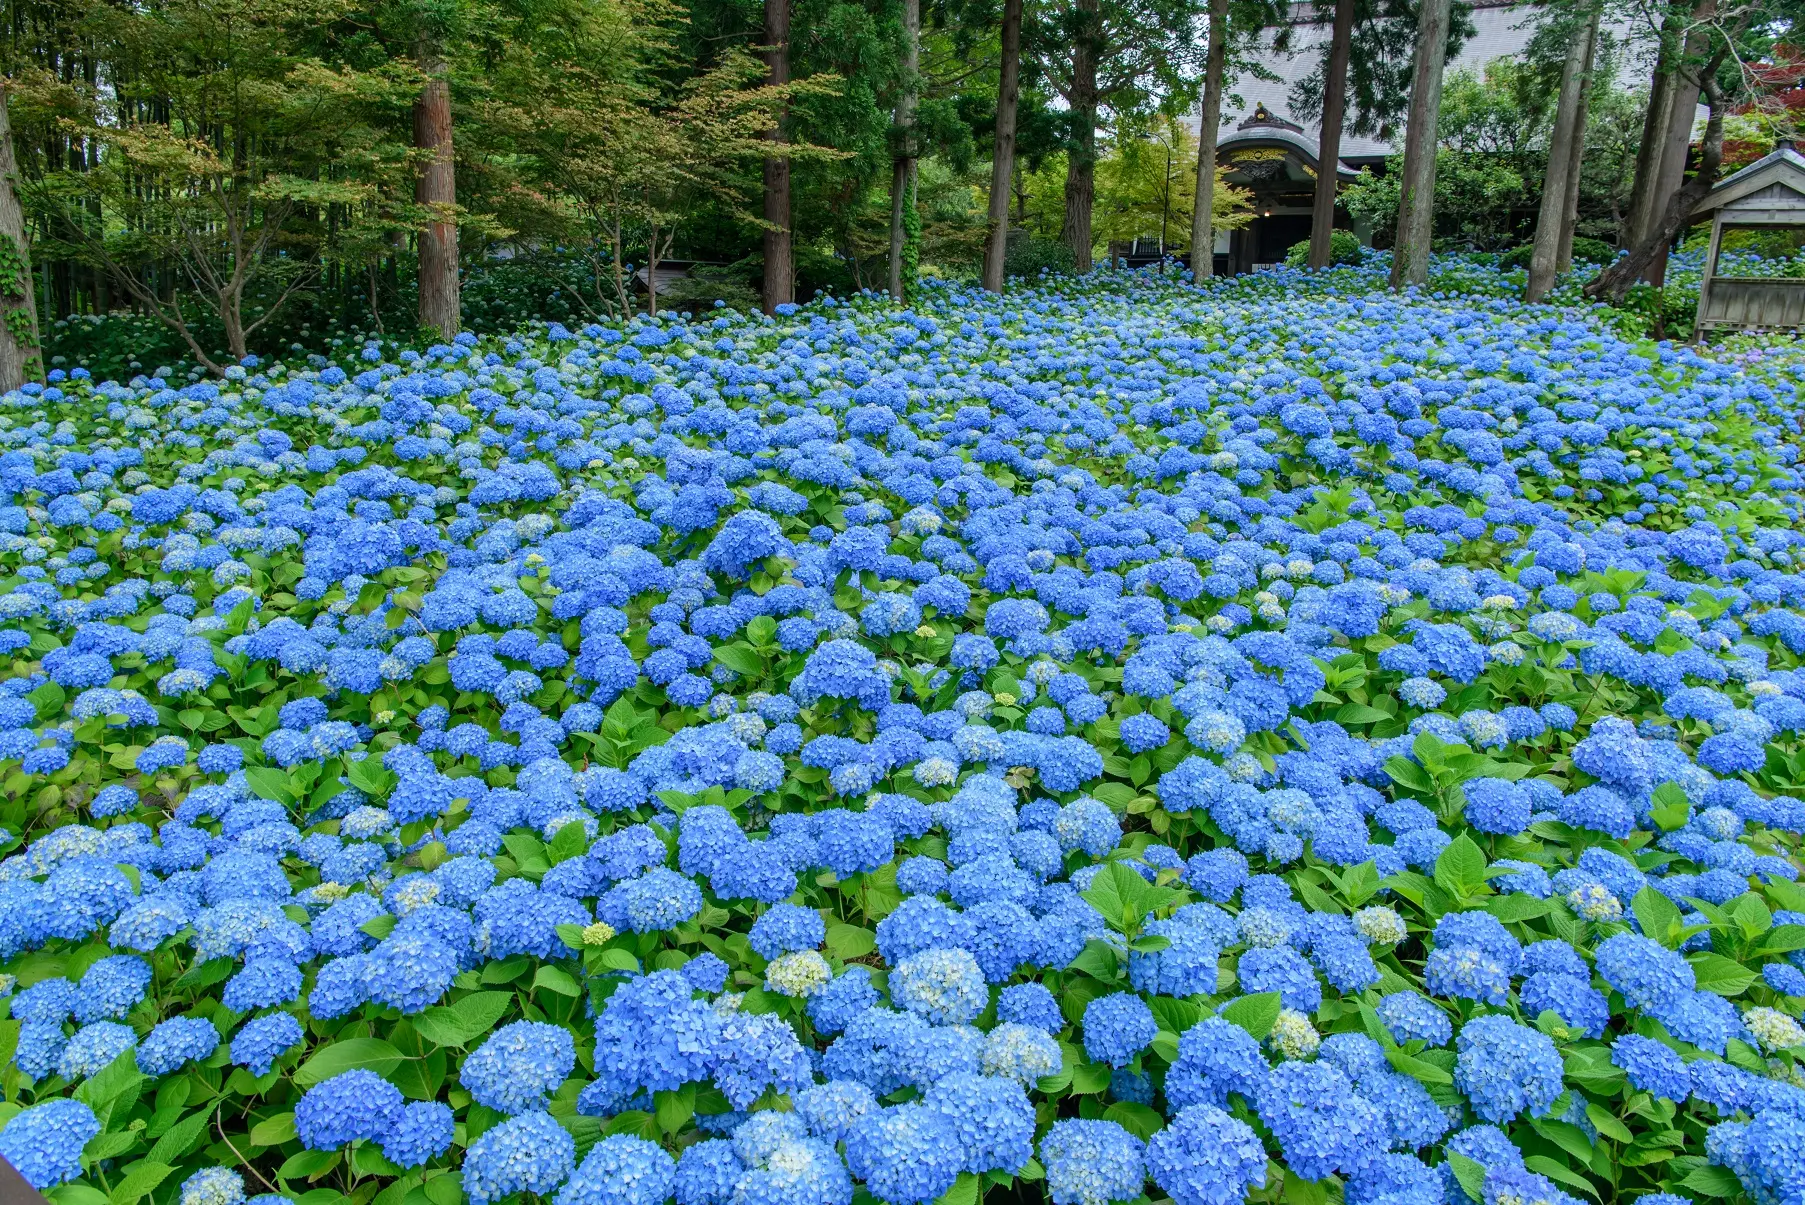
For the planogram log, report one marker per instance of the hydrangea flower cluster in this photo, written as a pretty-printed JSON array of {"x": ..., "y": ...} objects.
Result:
[{"x": 1109, "y": 740}]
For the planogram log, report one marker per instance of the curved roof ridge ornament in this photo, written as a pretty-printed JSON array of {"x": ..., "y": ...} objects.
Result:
[{"x": 1262, "y": 116}]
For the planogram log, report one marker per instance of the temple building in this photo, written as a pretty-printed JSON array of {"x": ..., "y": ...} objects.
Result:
[{"x": 1272, "y": 153}]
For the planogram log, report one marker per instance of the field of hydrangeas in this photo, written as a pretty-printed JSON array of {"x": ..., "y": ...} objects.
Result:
[{"x": 1119, "y": 741}]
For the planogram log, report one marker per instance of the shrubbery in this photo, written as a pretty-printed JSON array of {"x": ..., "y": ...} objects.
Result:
[
  {"x": 1273, "y": 740},
  {"x": 1344, "y": 248}
]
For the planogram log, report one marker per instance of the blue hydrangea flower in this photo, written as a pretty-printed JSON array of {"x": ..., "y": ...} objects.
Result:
[
  {"x": 787, "y": 927},
  {"x": 94, "y": 1046},
  {"x": 528, "y": 1153},
  {"x": 707, "y": 1173},
  {"x": 1092, "y": 1162},
  {"x": 1117, "y": 1027},
  {"x": 1506, "y": 1069},
  {"x": 518, "y": 1066},
  {"x": 44, "y": 1143},
  {"x": 263, "y": 1040},
  {"x": 992, "y": 1117},
  {"x": 212, "y": 1186},
  {"x": 174, "y": 1042},
  {"x": 1322, "y": 1124},
  {"x": 621, "y": 1170},
  {"x": 1649, "y": 975},
  {"x": 906, "y": 1154},
  {"x": 830, "y": 1109},
  {"x": 109, "y": 988},
  {"x": 1652, "y": 1067},
  {"x": 1206, "y": 1157},
  {"x": 1283, "y": 970},
  {"x": 1215, "y": 1058},
  {"x": 348, "y": 1106},
  {"x": 420, "y": 1134},
  {"x": 945, "y": 987}
]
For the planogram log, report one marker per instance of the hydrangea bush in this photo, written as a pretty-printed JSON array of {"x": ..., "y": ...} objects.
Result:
[{"x": 1273, "y": 741}]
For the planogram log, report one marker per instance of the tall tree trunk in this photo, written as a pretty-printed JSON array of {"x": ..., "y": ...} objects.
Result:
[
  {"x": 20, "y": 357},
  {"x": 902, "y": 177},
  {"x": 1002, "y": 158},
  {"x": 780, "y": 250},
  {"x": 1667, "y": 129},
  {"x": 1613, "y": 284},
  {"x": 1681, "y": 115},
  {"x": 62, "y": 287},
  {"x": 1563, "y": 255},
  {"x": 1081, "y": 160},
  {"x": 1328, "y": 146},
  {"x": 1654, "y": 133},
  {"x": 1209, "y": 119},
  {"x": 902, "y": 194},
  {"x": 437, "y": 187},
  {"x": 1416, "y": 206},
  {"x": 1563, "y": 160}
]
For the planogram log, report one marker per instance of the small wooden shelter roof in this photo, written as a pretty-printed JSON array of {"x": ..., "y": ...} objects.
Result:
[{"x": 1768, "y": 192}]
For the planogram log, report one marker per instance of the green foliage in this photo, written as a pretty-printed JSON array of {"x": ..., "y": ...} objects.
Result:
[
  {"x": 1585, "y": 251},
  {"x": 1380, "y": 60},
  {"x": 1344, "y": 249},
  {"x": 15, "y": 271},
  {"x": 229, "y": 149},
  {"x": 1493, "y": 156},
  {"x": 1028, "y": 256},
  {"x": 547, "y": 285},
  {"x": 15, "y": 288},
  {"x": 1592, "y": 251}
]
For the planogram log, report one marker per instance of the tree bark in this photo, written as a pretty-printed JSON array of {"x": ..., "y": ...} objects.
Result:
[
  {"x": 1613, "y": 284},
  {"x": 1002, "y": 158},
  {"x": 1563, "y": 161},
  {"x": 902, "y": 186},
  {"x": 1328, "y": 146},
  {"x": 902, "y": 177},
  {"x": 1563, "y": 255},
  {"x": 1081, "y": 159},
  {"x": 1209, "y": 119},
  {"x": 1654, "y": 135},
  {"x": 437, "y": 187},
  {"x": 21, "y": 359},
  {"x": 1661, "y": 162},
  {"x": 1416, "y": 207},
  {"x": 1680, "y": 117},
  {"x": 231, "y": 317},
  {"x": 780, "y": 250}
]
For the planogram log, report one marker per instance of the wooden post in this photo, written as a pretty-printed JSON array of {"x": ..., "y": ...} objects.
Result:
[
  {"x": 1704, "y": 282},
  {"x": 15, "y": 1189}
]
